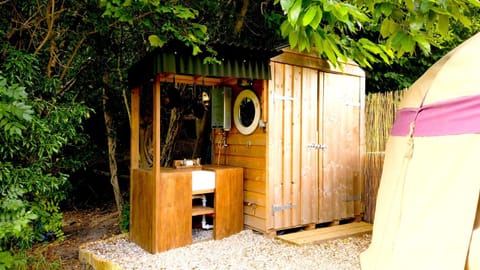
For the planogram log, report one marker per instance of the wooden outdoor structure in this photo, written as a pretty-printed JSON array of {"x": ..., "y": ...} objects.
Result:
[
  {"x": 301, "y": 166},
  {"x": 305, "y": 166},
  {"x": 161, "y": 198},
  {"x": 161, "y": 207}
]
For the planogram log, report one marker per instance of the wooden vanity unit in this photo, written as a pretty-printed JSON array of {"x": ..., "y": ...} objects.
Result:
[{"x": 161, "y": 207}]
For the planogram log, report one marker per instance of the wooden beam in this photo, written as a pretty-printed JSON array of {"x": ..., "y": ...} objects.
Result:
[
  {"x": 189, "y": 79},
  {"x": 135, "y": 129}
]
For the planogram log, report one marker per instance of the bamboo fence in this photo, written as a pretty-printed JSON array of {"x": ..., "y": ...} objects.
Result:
[{"x": 379, "y": 116}]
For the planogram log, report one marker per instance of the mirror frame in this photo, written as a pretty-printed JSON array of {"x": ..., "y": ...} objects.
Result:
[{"x": 246, "y": 130}]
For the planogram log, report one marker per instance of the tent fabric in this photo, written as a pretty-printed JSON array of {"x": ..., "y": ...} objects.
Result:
[
  {"x": 427, "y": 211},
  {"x": 457, "y": 116}
]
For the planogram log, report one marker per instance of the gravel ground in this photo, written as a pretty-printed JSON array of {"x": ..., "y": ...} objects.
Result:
[{"x": 245, "y": 250}]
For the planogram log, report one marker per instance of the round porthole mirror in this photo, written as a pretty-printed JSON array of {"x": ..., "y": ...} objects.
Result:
[{"x": 246, "y": 112}]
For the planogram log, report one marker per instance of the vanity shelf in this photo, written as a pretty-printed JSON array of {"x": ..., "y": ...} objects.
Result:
[
  {"x": 198, "y": 210},
  {"x": 204, "y": 191}
]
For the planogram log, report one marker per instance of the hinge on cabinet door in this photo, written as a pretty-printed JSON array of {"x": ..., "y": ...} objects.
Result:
[
  {"x": 276, "y": 208},
  {"x": 353, "y": 104},
  {"x": 283, "y": 97}
]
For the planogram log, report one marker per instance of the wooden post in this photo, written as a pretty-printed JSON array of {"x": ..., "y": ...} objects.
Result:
[
  {"x": 134, "y": 139},
  {"x": 156, "y": 160},
  {"x": 135, "y": 129},
  {"x": 142, "y": 186},
  {"x": 156, "y": 127},
  {"x": 264, "y": 101}
]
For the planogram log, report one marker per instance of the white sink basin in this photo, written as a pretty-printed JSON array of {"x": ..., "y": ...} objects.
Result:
[{"x": 203, "y": 180}]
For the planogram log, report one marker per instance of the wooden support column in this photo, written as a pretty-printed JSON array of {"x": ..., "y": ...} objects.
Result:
[
  {"x": 141, "y": 185},
  {"x": 264, "y": 101},
  {"x": 156, "y": 127},
  {"x": 134, "y": 142},
  {"x": 156, "y": 160},
  {"x": 135, "y": 129}
]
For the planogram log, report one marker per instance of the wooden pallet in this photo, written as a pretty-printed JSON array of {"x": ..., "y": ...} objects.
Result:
[{"x": 327, "y": 233}]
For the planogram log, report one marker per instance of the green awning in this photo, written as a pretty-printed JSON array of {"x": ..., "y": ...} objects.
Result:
[{"x": 236, "y": 62}]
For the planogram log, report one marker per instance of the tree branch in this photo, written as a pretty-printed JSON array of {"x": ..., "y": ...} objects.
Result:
[
  {"x": 72, "y": 56},
  {"x": 50, "y": 17},
  {"x": 241, "y": 16}
]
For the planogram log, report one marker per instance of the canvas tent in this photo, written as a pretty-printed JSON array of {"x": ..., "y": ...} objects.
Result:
[{"x": 427, "y": 211}]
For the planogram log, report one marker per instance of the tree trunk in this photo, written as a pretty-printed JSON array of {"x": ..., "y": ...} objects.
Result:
[
  {"x": 241, "y": 16},
  {"x": 112, "y": 161},
  {"x": 201, "y": 127},
  {"x": 174, "y": 128}
]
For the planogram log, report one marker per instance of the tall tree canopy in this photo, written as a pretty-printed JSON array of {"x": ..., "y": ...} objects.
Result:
[
  {"x": 371, "y": 30},
  {"x": 402, "y": 72}
]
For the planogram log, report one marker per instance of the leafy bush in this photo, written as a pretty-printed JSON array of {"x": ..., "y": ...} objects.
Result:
[
  {"x": 39, "y": 129},
  {"x": 37, "y": 259}
]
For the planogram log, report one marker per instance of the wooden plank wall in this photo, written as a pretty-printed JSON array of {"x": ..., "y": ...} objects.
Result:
[
  {"x": 287, "y": 183},
  {"x": 248, "y": 152}
]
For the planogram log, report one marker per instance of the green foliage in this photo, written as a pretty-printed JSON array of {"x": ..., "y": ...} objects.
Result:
[
  {"x": 6, "y": 259},
  {"x": 125, "y": 219},
  {"x": 15, "y": 217},
  {"x": 20, "y": 66},
  {"x": 407, "y": 69},
  {"x": 10, "y": 260},
  {"x": 161, "y": 21},
  {"x": 24, "y": 260},
  {"x": 32, "y": 172},
  {"x": 30, "y": 205},
  {"x": 336, "y": 29},
  {"x": 13, "y": 110}
]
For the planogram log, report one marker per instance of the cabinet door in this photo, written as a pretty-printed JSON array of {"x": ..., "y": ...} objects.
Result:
[
  {"x": 339, "y": 161},
  {"x": 309, "y": 158},
  {"x": 292, "y": 127},
  {"x": 174, "y": 210},
  {"x": 228, "y": 201}
]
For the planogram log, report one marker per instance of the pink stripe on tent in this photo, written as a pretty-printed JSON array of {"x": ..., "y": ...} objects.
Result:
[{"x": 452, "y": 117}]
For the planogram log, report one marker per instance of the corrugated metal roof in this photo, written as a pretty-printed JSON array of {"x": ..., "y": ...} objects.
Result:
[{"x": 237, "y": 62}]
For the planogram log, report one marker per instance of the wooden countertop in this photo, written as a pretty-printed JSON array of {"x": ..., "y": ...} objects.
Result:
[{"x": 207, "y": 167}]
